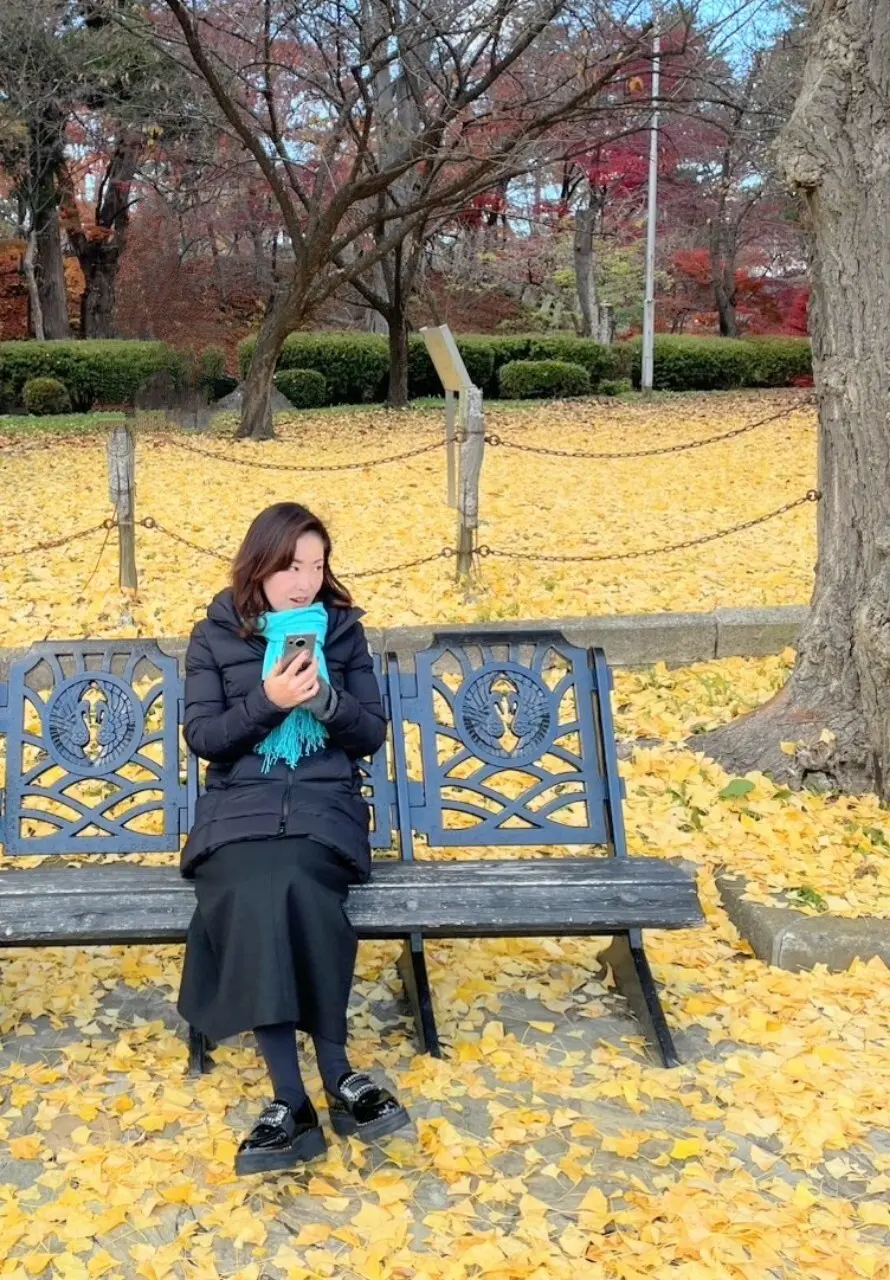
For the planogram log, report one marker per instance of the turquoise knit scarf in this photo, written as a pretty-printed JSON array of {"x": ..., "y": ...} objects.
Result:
[{"x": 301, "y": 733}]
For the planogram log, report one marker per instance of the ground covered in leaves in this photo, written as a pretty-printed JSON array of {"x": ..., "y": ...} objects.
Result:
[
  {"x": 546, "y": 1144},
  {"x": 381, "y": 516}
]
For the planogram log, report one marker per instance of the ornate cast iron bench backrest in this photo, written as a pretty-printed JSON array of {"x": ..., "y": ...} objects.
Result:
[
  {"x": 94, "y": 757},
  {"x": 505, "y": 742},
  {"x": 494, "y": 743}
]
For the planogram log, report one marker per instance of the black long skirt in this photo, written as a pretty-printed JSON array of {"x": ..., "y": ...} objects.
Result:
[{"x": 269, "y": 941}]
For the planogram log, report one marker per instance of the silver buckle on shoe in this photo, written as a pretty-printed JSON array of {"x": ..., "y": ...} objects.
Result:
[
  {"x": 275, "y": 1114},
  {"x": 354, "y": 1087}
]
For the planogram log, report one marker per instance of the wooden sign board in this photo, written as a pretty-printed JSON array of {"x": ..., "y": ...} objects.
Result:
[
  {"x": 449, "y": 365},
  {"x": 446, "y": 358}
]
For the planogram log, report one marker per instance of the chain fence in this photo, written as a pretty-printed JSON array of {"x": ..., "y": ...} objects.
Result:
[
  {"x": 483, "y": 552},
  {"x": 445, "y": 553},
  {"x": 50, "y": 544},
  {"x": 361, "y": 465},
  {"x": 480, "y": 552},
  {"x": 498, "y": 441}
]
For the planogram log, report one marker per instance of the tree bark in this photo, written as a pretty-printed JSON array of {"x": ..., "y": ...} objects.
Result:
[
  {"x": 397, "y": 397},
  {"x": 256, "y": 411},
  {"x": 36, "y": 311},
  {"x": 723, "y": 258},
  {"x": 49, "y": 266},
  {"x": 836, "y": 151},
  {"x": 585, "y": 285},
  {"x": 100, "y": 251}
]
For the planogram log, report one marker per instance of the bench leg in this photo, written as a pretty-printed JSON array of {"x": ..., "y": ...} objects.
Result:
[
  {"x": 200, "y": 1061},
  {"x": 412, "y": 970},
  {"x": 630, "y": 966}
]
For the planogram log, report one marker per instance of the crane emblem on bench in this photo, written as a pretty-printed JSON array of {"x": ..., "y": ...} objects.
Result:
[
  {"x": 93, "y": 723},
  {"x": 506, "y": 715}
]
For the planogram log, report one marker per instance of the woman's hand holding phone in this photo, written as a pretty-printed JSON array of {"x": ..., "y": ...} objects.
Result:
[{"x": 290, "y": 685}]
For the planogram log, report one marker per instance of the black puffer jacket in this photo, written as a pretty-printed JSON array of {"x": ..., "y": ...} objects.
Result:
[{"x": 227, "y": 712}]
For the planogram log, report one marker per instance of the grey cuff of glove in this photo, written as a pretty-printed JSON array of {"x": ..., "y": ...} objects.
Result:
[{"x": 324, "y": 704}]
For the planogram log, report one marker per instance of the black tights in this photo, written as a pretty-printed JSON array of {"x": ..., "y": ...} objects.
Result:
[{"x": 278, "y": 1045}]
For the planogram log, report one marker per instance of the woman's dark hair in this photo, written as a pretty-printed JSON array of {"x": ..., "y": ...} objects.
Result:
[{"x": 268, "y": 547}]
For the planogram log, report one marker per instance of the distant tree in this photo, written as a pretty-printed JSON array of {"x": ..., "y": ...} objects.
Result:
[{"x": 365, "y": 120}]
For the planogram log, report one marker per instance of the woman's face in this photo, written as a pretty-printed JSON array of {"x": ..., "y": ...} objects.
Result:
[{"x": 299, "y": 584}]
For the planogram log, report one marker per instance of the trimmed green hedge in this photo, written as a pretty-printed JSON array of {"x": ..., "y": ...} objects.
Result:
[
  {"x": 305, "y": 388},
  {"x": 781, "y": 361},
  {"x": 719, "y": 364},
  {"x": 107, "y": 371},
  {"x": 543, "y": 379},
  {"x": 43, "y": 396},
  {"x": 356, "y": 365}
]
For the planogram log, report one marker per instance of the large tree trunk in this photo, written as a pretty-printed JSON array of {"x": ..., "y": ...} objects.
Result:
[
  {"x": 50, "y": 269},
  {"x": 836, "y": 150},
  {"x": 49, "y": 266},
  {"x": 99, "y": 252},
  {"x": 400, "y": 279},
  {"x": 256, "y": 411},
  {"x": 46, "y": 156},
  {"x": 585, "y": 282},
  {"x": 98, "y": 304},
  {"x": 397, "y": 397},
  {"x": 723, "y": 257},
  {"x": 35, "y": 310}
]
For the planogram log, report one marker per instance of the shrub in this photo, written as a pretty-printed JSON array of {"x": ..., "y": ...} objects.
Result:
[
  {"x": 551, "y": 379},
  {"x": 614, "y": 386},
  {"x": 106, "y": 370},
  {"x": 355, "y": 366},
  {"x": 211, "y": 365},
  {"x": 697, "y": 364},
  {"x": 781, "y": 362},
  {"x": 305, "y": 388},
  {"x": 43, "y": 396},
  {"x": 570, "y": 350}
]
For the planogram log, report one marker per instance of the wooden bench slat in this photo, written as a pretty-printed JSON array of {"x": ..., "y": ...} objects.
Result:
[{"x": 574, "y": 896}]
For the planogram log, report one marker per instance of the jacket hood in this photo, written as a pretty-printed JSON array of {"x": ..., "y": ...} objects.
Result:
[{"x": 222, "y": 611}]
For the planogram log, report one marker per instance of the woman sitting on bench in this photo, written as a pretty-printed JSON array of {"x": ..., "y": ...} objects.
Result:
[{"x": 282, "y": 700}]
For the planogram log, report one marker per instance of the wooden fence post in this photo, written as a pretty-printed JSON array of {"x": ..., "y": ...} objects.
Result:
[
  {"x": 122, "y": 493},
  {"x": 471, "y": 453}
]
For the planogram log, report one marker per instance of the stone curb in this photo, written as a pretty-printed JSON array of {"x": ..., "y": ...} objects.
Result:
[
  {"x": 630, "y": 639},
  {"x": 788, "y": 939}
]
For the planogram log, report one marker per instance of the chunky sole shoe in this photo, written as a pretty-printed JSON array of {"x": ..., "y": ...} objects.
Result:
[
  {"x": 364, "y": 1110},
  {"x": 345, "y": 1126},
  {"x": 308, "y": 1146},
  {"x": 281, "y": 1139}
]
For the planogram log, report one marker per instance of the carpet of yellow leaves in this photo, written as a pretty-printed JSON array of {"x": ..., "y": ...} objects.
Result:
[
  {"x": 382, "y": 516},
  {"x": 542, "y": 1149},
  {"x": 547, "y": 1146}
]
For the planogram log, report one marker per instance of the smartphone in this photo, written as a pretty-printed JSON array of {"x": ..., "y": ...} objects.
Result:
[{"x": 298, "y": 648}]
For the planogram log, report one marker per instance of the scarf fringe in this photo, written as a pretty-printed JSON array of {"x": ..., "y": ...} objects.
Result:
[{"x": 301, "y": 734}]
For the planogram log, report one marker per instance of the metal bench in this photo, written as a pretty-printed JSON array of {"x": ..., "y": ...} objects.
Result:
[{"x": 495, "y": 742}]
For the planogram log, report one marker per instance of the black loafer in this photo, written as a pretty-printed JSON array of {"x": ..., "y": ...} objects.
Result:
[
  {"x": 364, "y": 1109},
  {"x": 281, "y": 1139}
]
